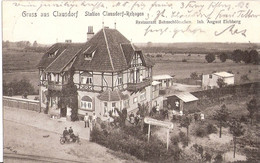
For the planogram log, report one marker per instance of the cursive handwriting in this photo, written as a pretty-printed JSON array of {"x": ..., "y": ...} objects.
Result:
[
  {"x": 188, "y": 29},
  {"x": 175, "y": 31},
  {"x": 232, "y": 30},
  {"x": 160, "y": 30}
]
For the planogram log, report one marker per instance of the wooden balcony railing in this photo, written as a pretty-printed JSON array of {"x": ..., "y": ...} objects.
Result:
[{"x": 138, "y": 86}]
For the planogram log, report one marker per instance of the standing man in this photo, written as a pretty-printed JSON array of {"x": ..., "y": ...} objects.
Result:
[
  {"x": 86, "y": 120},
  {"x": 94, "y": 117}
]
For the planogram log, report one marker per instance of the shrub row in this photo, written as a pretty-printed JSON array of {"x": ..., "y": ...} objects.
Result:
[{"x": 120, "y": 140}]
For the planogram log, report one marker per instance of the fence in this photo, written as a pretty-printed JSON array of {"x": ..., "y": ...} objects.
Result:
[{"x": 21, "y": 103}]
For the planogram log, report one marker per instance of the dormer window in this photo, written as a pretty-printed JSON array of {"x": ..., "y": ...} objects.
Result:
[
  {"x": 51, "y": 55},
  {"x": 89, "y": 55}
]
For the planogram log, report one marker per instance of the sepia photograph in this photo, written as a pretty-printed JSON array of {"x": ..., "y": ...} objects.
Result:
[{"x": 130, "y": 81}]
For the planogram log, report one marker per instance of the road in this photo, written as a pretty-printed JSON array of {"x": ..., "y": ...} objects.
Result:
[{"x": 23, "y": 143}]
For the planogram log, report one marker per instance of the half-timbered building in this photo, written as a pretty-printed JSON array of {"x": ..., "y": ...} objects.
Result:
[{"x": 109, "y": 72}]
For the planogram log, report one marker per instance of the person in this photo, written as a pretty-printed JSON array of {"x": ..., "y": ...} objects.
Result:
[
  {"x": 132, "y": 118},
  {"x": 65, "y": 133},
  {"x": 94, "y": 117},
  {"x": 137, "y": 119},
  {"x": 86, "y": 120},
  {"x": 70, "y": 131},
  {"x": 90, "y": 122}
]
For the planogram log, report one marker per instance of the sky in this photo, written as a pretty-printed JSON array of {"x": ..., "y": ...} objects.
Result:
[{"x": 20, "y": 24}]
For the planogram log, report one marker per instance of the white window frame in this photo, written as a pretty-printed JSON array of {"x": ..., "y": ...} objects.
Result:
[{"x": 86, "y": 105}]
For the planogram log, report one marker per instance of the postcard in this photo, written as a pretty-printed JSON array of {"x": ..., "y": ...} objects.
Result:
[{"x": 130, "y": 81}]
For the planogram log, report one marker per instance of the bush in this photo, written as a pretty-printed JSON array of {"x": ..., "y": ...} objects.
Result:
[
  {"x": 223, "y": 57},
  {"x": 175, "y": 140},
  {"x": 194, "y": 76},
  {"x": 210, "y": 58},
  {"x": 211, "y": 129},
  {"x": 244, "y": 78},
  {"x": 201, "y": 132},
  {"x": 122, "y": 140},
  {"x": 22, "y": 87},
  {"x": 243, "y": 119}
]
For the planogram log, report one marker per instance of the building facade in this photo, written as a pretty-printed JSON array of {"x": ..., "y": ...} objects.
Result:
[
  {"x": 109, "y": 73},
  {"x": 209, "y": 81}
]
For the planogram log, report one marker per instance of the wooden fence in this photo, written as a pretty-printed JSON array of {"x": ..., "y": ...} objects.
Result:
[{"x": 19, "y": 103}]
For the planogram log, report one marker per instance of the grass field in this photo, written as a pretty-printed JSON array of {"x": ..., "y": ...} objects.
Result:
[
  {"x": 173, "y": 65},
  {"x": 20, "y": 64}
]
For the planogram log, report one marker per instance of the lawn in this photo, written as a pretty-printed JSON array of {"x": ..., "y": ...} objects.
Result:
[
  {"x": 22, "y": 64},
  {"x": 173, "y": 65}
]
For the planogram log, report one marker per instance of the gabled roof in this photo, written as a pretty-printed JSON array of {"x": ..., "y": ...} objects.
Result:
[
  {"x": 111, "y": 52},
  {"x": 59, "y": 48},
  {"x": 224, "y": 74},
  {"x": 64, "y": 58},
  {"x": 110, "y": 95}
]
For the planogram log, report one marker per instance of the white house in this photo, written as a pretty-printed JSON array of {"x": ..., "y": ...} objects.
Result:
[
  {"x": 165, "y": 80},
  {"x": 209, "y": 81}
]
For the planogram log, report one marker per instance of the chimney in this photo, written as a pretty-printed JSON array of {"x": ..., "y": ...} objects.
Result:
[
  {"x": 68, "y": 41},
  {"x": 90, "y": 33}
]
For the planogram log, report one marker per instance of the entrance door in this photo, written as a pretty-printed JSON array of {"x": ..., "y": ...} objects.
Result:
[{"x": 63, "y": 112}]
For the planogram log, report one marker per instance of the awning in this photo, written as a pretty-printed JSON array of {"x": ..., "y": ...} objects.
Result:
[
  {"x": 156, "y": 83},
  {"x": 110, "y": 95},
  {"x": 186, "y": 97}
]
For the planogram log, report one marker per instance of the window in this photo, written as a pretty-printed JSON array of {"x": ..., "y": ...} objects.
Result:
[
  {"x": 210, "y": 76},
  {"x": 86, "y": 103},
  {"x": 120, "y": 80},
  {"x": 114, "y": 112},
  {"x": 105, "y": 109},
  {"x": 126, "y": 103},
  {"x": 51, "y": 55},
  {"x": 86, "y": 78},
  {"x": 135, "y": 100},
  {"x": 143, "y": 96},
  {"x": 89, "y": 55},
  {"x": 57, "y": 77},
  {"x": 89, "y": 80}
]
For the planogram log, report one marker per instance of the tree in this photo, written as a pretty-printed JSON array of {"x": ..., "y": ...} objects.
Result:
[
  {"x": 210, "y": 58},
  {"x": 35, "y": 44},
  {"x": 69, "y": 95},
  {"x": 252, "y": 109},
  {"x": 244, "y": 78},
  {"x": 254, "y": 57},
  {"x": 221, "y": 116},
  {"x": 221, "y": 83},
  {"x": 246, "y": 57},
  {"x": 194, "y": 76},
  {"x": 218, "y": 159},
  {"x": 185, "y": 122},
  {"x": 143, "y": 110},
  {"x": 236, "y": 130},
  {"x": 237, "y": 55},
  {"x": 223, "y": 57}
]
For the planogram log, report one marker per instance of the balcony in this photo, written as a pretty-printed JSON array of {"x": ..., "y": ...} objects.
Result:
[
  {"x": 54, "y": 86},
  {"x": 138, "y": 86}
]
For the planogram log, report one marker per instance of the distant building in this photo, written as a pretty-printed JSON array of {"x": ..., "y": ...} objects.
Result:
[
  {"x": 209, "y": 81},
  {"x": 183, "y": 102},
  {"x": 166, "y": 81},
  {"x": 109, "y": 73}
]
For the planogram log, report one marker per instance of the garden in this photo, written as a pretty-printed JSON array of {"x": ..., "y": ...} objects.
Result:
[{"x": 229, "y": 133}]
